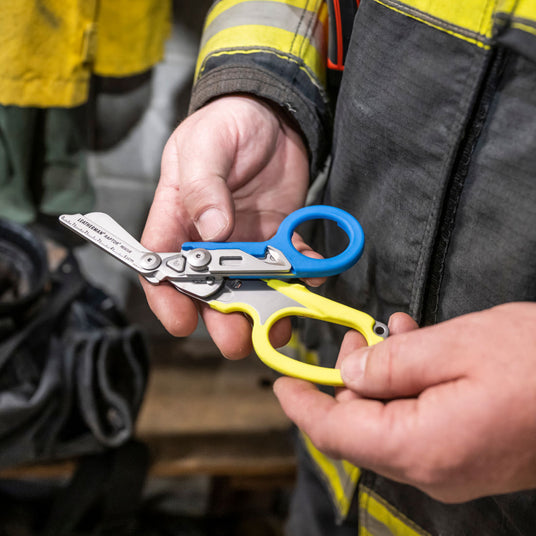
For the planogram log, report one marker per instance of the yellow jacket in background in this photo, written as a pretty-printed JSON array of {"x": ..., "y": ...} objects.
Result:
[{"x": 50, "y": 48}]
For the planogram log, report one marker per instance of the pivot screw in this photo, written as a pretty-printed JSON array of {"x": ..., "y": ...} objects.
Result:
[
  {"x": 199, "y": 259},
  {"x": 150, "y": 261}
]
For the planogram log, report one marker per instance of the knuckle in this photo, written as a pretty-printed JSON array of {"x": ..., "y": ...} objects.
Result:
[
  {"x": 178, "y": 325},
  {"x": 200, "y": 193},
  {"x": 388, "y": 363},
  {"x": 392, "y": 371}
]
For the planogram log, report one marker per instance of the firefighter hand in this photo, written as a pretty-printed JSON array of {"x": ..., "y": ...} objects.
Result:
[
  {"x": 233, "y": 170},
  {"x": 449, "y": 409}
]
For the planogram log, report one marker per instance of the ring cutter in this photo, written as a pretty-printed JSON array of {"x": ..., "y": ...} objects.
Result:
[{"x": 251, "y": 277}]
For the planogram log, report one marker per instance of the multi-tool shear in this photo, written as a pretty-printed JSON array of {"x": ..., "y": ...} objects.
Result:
[{"x": 251, "y": 277}]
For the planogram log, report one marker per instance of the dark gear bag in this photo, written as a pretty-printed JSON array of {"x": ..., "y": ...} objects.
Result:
[{"x": 73, "y": 372}]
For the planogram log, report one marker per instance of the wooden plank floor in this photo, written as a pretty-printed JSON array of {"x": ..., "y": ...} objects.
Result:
[{"x": 203, "y": 414}]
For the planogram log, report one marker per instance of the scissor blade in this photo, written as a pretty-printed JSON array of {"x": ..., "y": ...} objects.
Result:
[
  {"x": 254, "y": 294},
  {"x": 107, "y": 234}
]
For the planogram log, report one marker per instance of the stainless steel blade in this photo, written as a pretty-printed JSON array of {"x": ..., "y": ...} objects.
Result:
[{"x": 106, "y": 233}]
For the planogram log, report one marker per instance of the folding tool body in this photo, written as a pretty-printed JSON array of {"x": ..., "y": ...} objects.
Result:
[{"x": 249, "y": 277}]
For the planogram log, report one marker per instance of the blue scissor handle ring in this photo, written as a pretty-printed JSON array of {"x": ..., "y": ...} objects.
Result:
[{"x": 303, "y": 266}]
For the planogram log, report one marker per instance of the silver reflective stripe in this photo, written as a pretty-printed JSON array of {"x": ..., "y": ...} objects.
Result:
[
  {"x": 373, "y": 526},
  {"x": 265, "y": 13}
]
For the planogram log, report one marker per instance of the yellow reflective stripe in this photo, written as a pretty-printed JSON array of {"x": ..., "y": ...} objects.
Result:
[
  {"x": 523, "y": 27},
  {"x": 341, "y": 477},
  {"x": 376, "y": 529},
  {"x": 292, "y": 29},
  {"x": 518, "y": 14},
  {"x": 279, "y": 15},
  {"x": 297, "y": 350},
  {"x": 472, "y": 15},
  {"x": 470, "y": 20},
  {"x": 379, "y": 518},
  {"x": 264, "y": 38},
  {"x": 506, "y": 6},
  {"x": 519, "y": 9}
]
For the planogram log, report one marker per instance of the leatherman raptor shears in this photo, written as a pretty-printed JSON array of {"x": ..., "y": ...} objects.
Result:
[{"x": 249, "y": 277}]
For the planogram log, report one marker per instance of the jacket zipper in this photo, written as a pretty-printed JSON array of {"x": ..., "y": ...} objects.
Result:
[{"x": 447, "y": 221}]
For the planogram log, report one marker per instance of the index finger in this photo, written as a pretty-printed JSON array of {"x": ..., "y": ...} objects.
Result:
[
  {"x": 165, "y": 232},
  {"x": 176, "y": 311}
]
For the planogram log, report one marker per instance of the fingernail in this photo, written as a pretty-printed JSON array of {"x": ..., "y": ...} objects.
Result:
[
  {"x": 211, "y": 224},
  {"x": 353, "y": 367}
]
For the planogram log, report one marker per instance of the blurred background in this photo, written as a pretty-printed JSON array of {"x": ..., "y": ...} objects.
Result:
[{"x": 219, "y": 448}]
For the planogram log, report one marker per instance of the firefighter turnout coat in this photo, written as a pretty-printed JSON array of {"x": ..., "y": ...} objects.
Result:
[{"x": 427, "y": 110}]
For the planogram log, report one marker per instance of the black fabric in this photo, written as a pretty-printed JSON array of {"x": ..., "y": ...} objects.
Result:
[
  {"x": 72, "y": 373},
  {"x": 503, "y": 515},
  {"x": 455, "y": 189},
  {"x": 311, "y": 510},
  {"x": 23, "y": 274},
  {"x": 407, "y": 94},
  {"x": 492, "y": 251},
  {"x": 405, "y": 128},
  {"x": 342, "y": 13},
  {"x": 522, "y": 42},
  {"x": 103, "y": 495},
  {"x": 516, "y": 34},
  {"x": 434, "y": 155}
]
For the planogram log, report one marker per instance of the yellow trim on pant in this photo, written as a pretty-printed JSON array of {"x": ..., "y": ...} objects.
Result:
[
  {"x": 378, "y": 518},
  {"x": 341, "y": 477},
  {"x": 297, "y": 350}
]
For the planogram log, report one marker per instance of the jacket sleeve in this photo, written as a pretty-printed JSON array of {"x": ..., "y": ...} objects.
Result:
[{"x": 276, "y": 50}]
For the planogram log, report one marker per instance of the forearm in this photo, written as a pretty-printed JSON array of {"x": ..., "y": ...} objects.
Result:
[{"x": 277, "y": 54}]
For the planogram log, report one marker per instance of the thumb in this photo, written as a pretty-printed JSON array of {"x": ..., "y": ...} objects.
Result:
[
  {"x": 403, "y": 365},
  {"x": 196, "y": 164}
]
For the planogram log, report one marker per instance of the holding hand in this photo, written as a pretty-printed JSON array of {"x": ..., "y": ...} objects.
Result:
[
  {"x": 233, "y": 170},
  {"x": 449, "y": 409}
]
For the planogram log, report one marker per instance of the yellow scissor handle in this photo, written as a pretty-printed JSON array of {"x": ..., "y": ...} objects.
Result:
[{"x": 312, "y": 306}]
